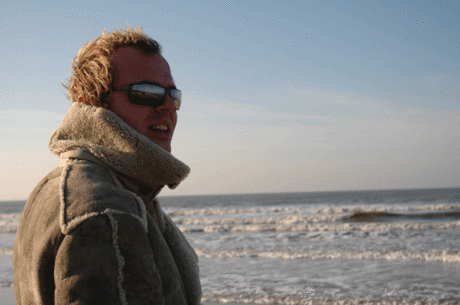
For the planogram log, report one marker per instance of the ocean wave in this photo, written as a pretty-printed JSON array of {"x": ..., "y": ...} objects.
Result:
[
  {"x": 277, "y": 218},
  {"x": 291, "y": 220},
  {"x": 281, "y": 220},
  {"x": 6, "y": 252},
  {"x": 309, "y": 209},
  {"x": 310, "y": 297},
  {"x": 300, "y": 225},
  {"x": 229, "y": 211},
  {"x": 7, "y": 284},
  {"x": 422, "y": 256},
  {"x": 9, "y": 222},
  {"x": 385, "y": 216}
]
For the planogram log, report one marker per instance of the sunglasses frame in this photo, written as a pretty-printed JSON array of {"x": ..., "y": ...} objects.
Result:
[{"x": 167, "y": 91}]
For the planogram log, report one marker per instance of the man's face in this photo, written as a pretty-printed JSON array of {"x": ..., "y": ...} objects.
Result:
[{"x": 130, "y": 65}]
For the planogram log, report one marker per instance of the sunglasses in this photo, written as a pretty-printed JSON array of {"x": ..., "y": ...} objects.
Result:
[{"x": 147, "y": 94}]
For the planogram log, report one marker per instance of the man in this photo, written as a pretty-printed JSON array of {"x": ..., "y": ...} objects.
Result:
[{"x": 92, "y": 231}]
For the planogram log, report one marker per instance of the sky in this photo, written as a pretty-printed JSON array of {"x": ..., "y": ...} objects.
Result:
[{"x": 278, "y": 96}]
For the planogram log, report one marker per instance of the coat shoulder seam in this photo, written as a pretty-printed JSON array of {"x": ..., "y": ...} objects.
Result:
[{"x": 67, "y": 226}]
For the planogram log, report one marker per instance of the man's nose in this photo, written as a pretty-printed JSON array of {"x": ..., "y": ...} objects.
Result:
[{"x": 168, "y": 105}]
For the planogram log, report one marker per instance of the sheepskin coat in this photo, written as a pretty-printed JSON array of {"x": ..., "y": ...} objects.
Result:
[{"x": 92, "y": 231}]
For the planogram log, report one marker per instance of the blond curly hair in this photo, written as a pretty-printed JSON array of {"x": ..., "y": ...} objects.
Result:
[{"x": 92, "y": 78}]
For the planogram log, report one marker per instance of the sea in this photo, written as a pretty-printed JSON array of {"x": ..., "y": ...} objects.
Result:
[{"x": 353, "y": 247}]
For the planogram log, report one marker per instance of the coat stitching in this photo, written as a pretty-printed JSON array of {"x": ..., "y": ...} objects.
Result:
[
  {"x": 67, "y": 227},
  {"x": 62, "y": 187},
  {"x": 120, "y": 259}
]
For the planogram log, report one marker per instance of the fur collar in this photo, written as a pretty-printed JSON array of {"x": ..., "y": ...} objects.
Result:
[{"x": 107, "y": 137}]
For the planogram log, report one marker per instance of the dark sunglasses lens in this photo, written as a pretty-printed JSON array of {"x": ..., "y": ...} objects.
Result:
[
  {"x": 147, "y": 95},
  {"x": 151, "y": 95}
]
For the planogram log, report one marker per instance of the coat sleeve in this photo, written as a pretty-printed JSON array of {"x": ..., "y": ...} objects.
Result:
[{"x": 107, "y": 259}]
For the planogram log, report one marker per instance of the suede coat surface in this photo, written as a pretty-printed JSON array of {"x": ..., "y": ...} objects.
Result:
[{"x": 92, "y": 231}]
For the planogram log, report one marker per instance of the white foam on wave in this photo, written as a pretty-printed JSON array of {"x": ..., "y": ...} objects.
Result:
[
  {"x": 311, "y": 209},
  {"x": 434, "y": 207},
  {"x": 6, "y": 252},
  {"x": 281, "y": 220},
  {"x": 9, "y": 222},
  {"x": 229, "y": 211},
  {"x": 310, "y": 297},
  {"x": 422, "y": 256},
  {"x": 299, "y": 224}
]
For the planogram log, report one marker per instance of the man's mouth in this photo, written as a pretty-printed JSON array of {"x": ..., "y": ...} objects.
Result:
[{"x": 159, "y": 128}]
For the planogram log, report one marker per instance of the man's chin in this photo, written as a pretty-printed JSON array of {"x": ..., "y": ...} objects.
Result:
[
  {"x": 165, "y": 145},
  {"x": 162, "y": 141}
]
